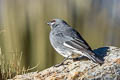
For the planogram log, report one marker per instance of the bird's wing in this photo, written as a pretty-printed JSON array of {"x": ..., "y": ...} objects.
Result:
[
  {"x": 80, "y": 47},
  {"x": 75, "y": 39},
  {"x": 76, "y": 42}
]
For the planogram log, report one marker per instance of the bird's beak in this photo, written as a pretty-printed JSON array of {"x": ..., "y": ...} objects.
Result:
[{"x": 49, "y": 23}]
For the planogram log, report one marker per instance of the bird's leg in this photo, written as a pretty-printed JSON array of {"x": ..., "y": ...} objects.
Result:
[
  {"x": 80, "y": 58},
  {"x": 62, "y": 63}
]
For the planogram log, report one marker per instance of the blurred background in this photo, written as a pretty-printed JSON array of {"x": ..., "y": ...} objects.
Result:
[{"x": 24, "y": 34}]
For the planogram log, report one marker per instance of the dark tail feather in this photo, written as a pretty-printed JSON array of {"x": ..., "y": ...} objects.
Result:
[
  {"x": 96, "y": 59},
  {"x": 91, "y": 55}
]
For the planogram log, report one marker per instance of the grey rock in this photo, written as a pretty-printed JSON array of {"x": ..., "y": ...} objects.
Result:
[{"x": 82, "y": 69}]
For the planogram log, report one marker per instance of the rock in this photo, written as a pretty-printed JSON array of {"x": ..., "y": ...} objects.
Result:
[{"x": 82, "y": 69}]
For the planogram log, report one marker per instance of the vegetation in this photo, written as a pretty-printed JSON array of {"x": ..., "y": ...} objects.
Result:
[{"x": 11, "y": 67}]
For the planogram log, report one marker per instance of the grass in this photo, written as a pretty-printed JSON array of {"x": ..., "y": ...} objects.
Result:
[{"x": 12, "y": 66}]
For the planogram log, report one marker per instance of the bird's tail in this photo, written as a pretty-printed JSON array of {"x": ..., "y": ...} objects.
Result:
[
  {"x": 96, "y": 59},
  {"x": 91, "y": 55}
]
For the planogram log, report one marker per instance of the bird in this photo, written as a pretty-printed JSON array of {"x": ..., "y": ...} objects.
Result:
[{"x": 68, "y": 42}]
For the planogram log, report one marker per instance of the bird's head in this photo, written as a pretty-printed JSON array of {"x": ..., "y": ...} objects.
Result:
[{"x": 56, "y": 22}]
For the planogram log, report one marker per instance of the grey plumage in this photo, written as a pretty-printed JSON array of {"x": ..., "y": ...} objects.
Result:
[{"x": 68, "y": 42}]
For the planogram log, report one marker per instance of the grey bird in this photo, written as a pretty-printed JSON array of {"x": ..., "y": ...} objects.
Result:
[{"x": 68, "y": 42}]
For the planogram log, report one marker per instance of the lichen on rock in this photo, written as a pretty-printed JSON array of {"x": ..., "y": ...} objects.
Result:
[{"x": 82, "y": 69}]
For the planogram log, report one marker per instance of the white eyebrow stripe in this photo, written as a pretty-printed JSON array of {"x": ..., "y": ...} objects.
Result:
[{"x": 52, "y": 23}]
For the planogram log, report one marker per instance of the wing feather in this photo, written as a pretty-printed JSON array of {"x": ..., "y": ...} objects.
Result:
[{"x": 78, "y": 46}]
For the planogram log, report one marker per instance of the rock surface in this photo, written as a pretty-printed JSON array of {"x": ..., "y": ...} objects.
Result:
[{"x": 82, "y": 69}]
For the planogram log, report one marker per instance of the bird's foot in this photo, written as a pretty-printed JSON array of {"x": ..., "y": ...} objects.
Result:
[{"x": 80, "y": 58}]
